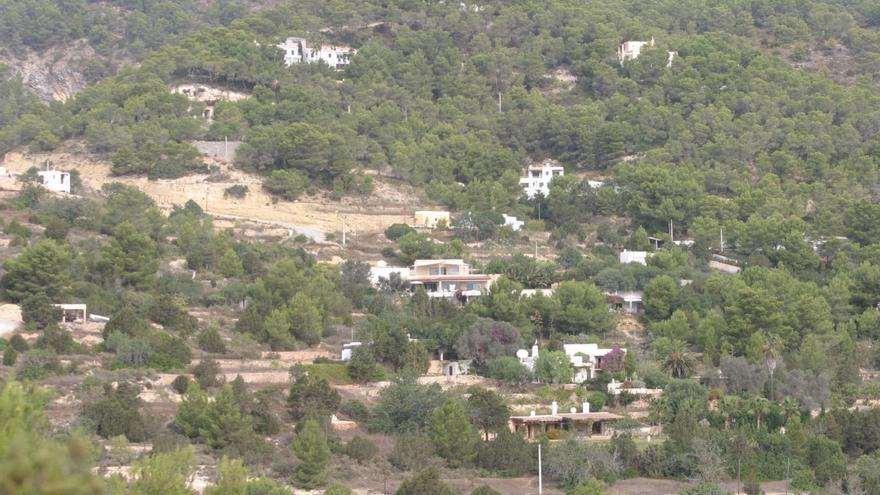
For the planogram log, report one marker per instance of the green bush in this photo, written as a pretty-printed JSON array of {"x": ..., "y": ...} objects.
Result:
[
  {"x": 236, "y": 191},
  {"x": 412, "y": 451},
  {"x": 397, "y": 230},
  {"x": 289, "y": 184},
  {"x": 361, "y": 449},
  {"x": 356, "y": 410},
  {"x": 207, "y": 373},
  {"x": 180, "y": 384},
  {"x": 37, "y": 364},
  {"x": 209, "y": 340}
]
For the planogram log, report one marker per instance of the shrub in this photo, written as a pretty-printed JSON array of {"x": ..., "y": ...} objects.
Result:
[
  {"x": 356, "y": 410},
  {"x": 361, "y": 449},
  {"x": 752, "y": 487},
  {"x": 209, "y": 340},
  {"x": 9, "y": 356},
  {"x": 427, "y": 482},
  {"x": 509, "y": 370},
  {"x": 397, "y": 230},
  {"x": 53, "y": 337},
  {"x": 236, "y": 191},
  {"x": 117, "y": 413},
  {"x": 18, "y": 343},
  {"x": 288, "y": 184},
  {"x": 336, "y": 489},
  {"x": 180, "y": 384},
  {"x": 36, "y": 364},
  {"x": 485, "y": 490},
  {"x": 311, "y": 395},
  {"x": 207, "y": 373},
  {"x": 412, "y": 451},
  {"x": 388, "y": 252},
  {"x": 37, "y": 311},
  {"x": 597, "y": 401},
  {"x": 508, "y": 455}
]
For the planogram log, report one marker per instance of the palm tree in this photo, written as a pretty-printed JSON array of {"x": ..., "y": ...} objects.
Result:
[
  {"x": 790, "y": 408},
  {"x": 728, "y": 406},
  {"x": 659, "y": 411},
  {"x": 676, "y": 359},
  {"x": 761, "y": 408}
]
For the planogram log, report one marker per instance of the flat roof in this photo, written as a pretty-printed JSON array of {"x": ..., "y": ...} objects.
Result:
[
  {"x": 556, "y": 418},
  {"x": 438, "y": 262}
]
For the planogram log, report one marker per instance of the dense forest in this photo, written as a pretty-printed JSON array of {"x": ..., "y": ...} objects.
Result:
[{"x": 759, "y": 144}]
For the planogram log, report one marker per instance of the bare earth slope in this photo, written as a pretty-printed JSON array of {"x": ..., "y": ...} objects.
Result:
[{"x": 391, "y": 202}]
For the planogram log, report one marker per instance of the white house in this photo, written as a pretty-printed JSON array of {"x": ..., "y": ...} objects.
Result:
[
  {"x": 537, "y": 177},
  {"x": 528, "y": 360},
  {"x": 640, "y": 257},
  {"x": 297, "y": 51},
  {"x": 383, "y": 270},
  {"x": 616, "y": 388},
  {"x": 586, "y": 359},
  {"x": 55, "y": 180},
  {"x": 533, "y": 292},
  {"x": 454, "y": 368},
  {"x": 628, "y": 301},
  {"x": 73, "y": 313},
  {"x": 512, "y": 222},
  {"x": 630, "y": 50},
  {"x": 348, "y": 349},
  {"x": 449, "y": 278}
]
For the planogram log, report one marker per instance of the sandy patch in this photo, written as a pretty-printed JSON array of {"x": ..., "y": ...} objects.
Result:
[
  {"x": 391, "y": 202},
  {"x": 10, "y": 319}
]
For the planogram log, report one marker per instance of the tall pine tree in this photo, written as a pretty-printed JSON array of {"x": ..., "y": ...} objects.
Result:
[{"x": 313, "y": 454}]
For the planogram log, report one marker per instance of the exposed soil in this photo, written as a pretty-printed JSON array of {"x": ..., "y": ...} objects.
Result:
[{"x": 391, "y": 202}]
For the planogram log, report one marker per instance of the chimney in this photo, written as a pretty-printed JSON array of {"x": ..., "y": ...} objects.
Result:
[
  {"x": 586, "y": 407},
  {"x": 554, "y": 408},
  {"x": 532, "y": 413}
]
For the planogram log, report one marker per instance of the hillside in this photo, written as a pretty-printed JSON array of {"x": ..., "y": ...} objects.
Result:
[{"x": 647, "y": 258}]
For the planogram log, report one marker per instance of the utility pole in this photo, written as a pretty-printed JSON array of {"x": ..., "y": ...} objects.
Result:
[
  {"x": 540, "y": 478},
  {"x": 722, "y": 239},
  {"x": 499, "y": 102},
  {"x": 343, "y": 230},
  {"x": 225, "y": 147},
  {"x": 536, "y": 250}
]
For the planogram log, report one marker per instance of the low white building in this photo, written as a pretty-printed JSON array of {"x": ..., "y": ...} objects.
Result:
[
  {"x": 73, "y": 313},
  {"x": 455, "y": 368},
  {"x": 297, "y": 51},
  {"x": 586, "y": 359},
  {"x": 526, "y": 359},
  {"x": 512, "y": 222},
  {"x": 640, "y": 257},
  {"x": 383, "y": 271},
  {"x": 628, "y": 301},
  {"x": 630, "y": 50},
  {"x": 616, "y": 388},
  {"x": 348, "y": 350},
  {"x": 537, "y": 177},
  {"x": 534, "y": 292},
  {"x": 55, "y": 180}
]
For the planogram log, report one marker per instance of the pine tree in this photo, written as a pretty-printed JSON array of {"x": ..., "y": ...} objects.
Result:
[
  {"x": 191, "y": 416},
  {"x": 452, "y": 434},
  {"x": 226, "y": 425},
  {"x": 230, "y": 264},
  {"x": 313, "y": 454}
]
